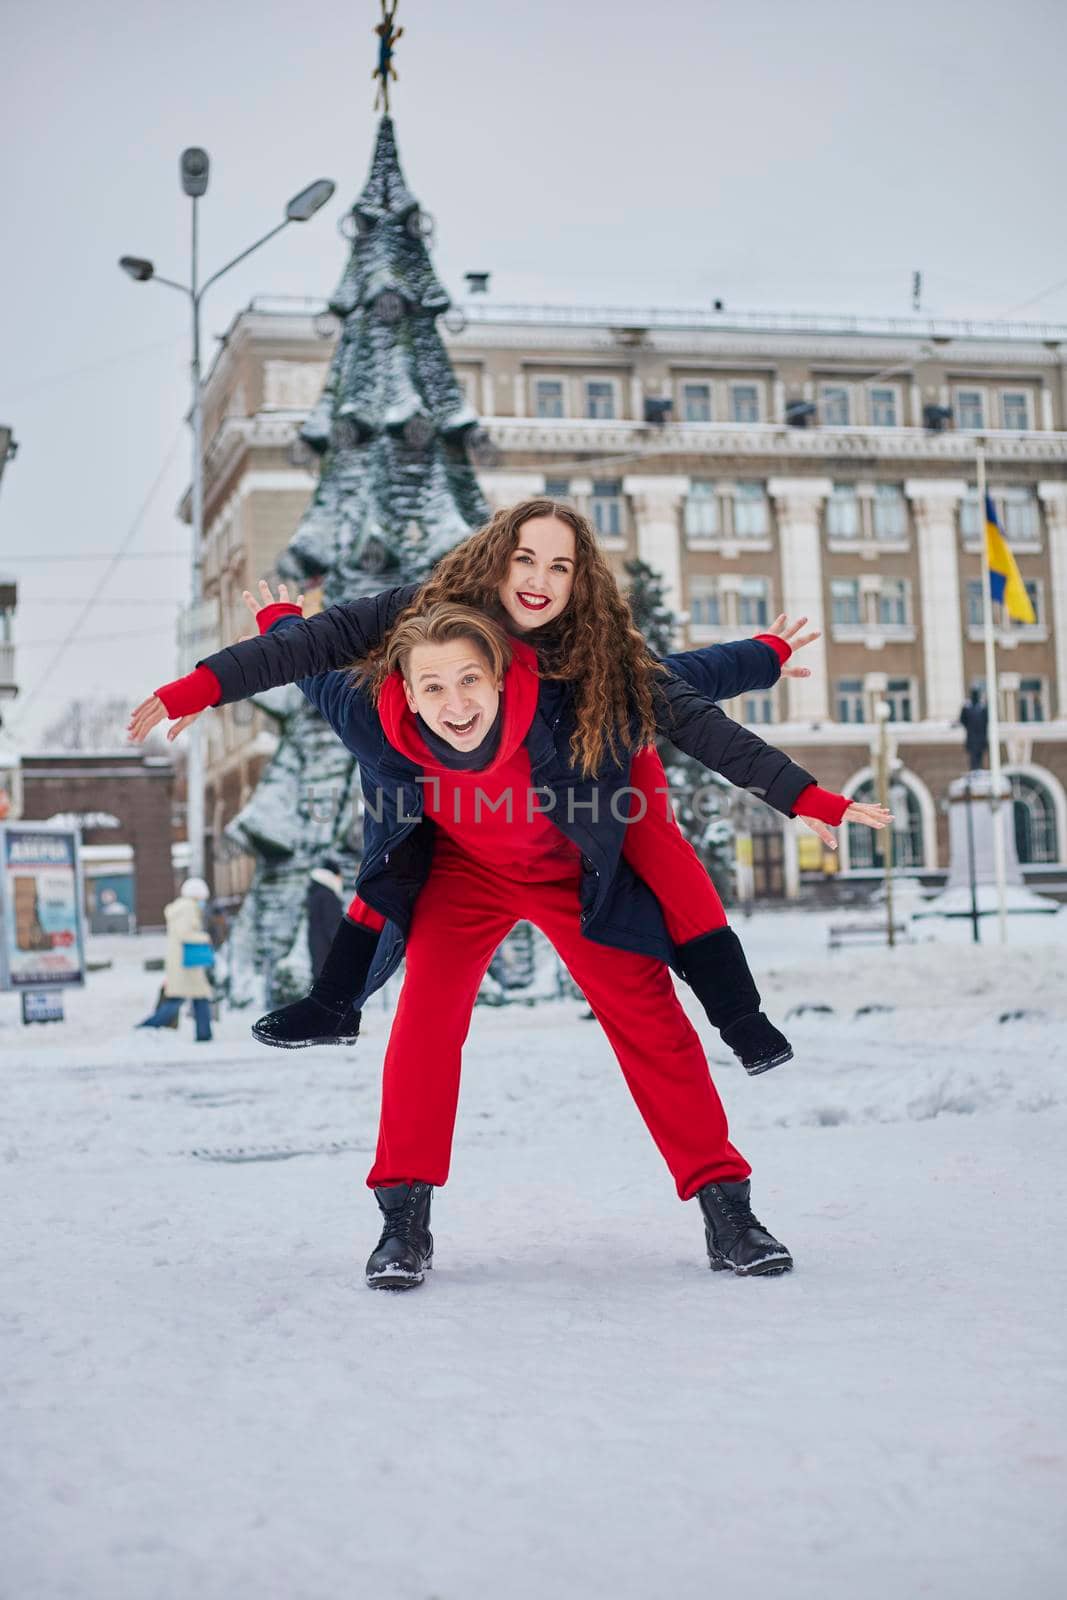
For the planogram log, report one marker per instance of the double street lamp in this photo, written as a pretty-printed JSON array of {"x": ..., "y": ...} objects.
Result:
[{"x": 194, "y": 168}]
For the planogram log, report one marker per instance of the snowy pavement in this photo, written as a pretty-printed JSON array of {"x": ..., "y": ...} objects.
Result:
[{"x": 202, "y": 1399}]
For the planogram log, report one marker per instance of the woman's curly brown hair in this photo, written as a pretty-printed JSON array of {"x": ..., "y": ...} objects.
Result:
[{"x": 592, "y": 645}]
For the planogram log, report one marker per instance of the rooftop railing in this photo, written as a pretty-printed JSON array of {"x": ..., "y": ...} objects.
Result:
[{"x": 488, "y": 312}]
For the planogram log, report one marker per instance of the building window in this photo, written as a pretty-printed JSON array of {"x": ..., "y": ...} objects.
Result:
[
  {"x": 753, "y": 604},
  {"x": 883, "y": 407},
  {"x": 1034, "y": 590},
  {"x": 757, "y": 708},
  {"x": 696, "y": 402},
  {"x": 608, "y": 507},
  {"x": 1035, "y": 821},
  {"x": 744, "y": 402},
  {"x": 548, "y": 397},
  {"x": 750, "y": 511},
  {"x": 1014, "y": 408},
  {"x": 600, "y": 399},
  {"x": 849, "y": 700},
  {"x": 701, "y": 510},
  {"x": 1018, "y": 514},
  {"x": 865, "y": 846},
  {"x": 843, "y": 513},
  {"x": 558, "y": 489},
  {"x": 970, "y": 522},
  {"x": 890, "y": 512},
  {"x": 833, "y": 405},
  {"x": 970, "y": 408},
  {"x": 705, "y": 608},
  {"x": 893, "y": 602},
  {"x": 1031, "y": 700},
  {"x": 845, "y": 601},
  {"x": 975, "y": 615},
  {"x": 898, "y": 698}
]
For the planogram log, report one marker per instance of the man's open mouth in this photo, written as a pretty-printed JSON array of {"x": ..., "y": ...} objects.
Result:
[
  {"x": 462, "y": 728},
  {"x": 533, "y": 602}
]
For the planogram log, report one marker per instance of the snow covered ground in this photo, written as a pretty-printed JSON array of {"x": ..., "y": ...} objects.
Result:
[{"x": 202, "y": 1400}]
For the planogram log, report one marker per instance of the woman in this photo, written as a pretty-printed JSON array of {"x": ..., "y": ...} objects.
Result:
[
  {"x": 538, "y": 568},
  {"x": 186, "y": 978}
]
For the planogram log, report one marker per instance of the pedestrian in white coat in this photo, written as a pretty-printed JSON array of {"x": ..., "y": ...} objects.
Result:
[{"x": 188, "y": 960}]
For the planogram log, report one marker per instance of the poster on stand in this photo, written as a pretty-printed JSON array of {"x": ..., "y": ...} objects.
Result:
[{"x": 42, "y": 932}]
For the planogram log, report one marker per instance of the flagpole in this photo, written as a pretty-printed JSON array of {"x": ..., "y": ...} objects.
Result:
[{"x": 993, "y": 707}]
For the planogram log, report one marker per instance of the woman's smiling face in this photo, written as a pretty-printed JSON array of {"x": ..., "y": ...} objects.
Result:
[{"x": 537, "y": 586}]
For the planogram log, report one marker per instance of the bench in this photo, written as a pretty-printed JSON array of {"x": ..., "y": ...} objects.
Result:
[{"x": 842, "y": 933}]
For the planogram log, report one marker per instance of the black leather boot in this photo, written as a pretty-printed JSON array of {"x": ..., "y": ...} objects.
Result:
[
  {"x": 326, "y": 1014},
  {"x": 405, "y": 1249},
  {"x": 716, "y": 969},
  {"x": 737, "y": 1240}
]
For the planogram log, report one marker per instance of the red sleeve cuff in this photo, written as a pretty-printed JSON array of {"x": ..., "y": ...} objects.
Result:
[
  {"x": 821, "y": 804},
  {"x": 195, "y": 692},
  {"x": 781, "y": 649},
  {"x": 364, "y": 915},
  {"x": 267, "y": 615}
]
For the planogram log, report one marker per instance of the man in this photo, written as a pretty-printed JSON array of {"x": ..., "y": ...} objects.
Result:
[{"x": 323, "y": 907}]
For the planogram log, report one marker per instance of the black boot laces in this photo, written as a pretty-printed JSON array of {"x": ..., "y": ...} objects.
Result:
[
  {"x": 740, "y": 1213},
  {"x": 404, "y": 1224}
]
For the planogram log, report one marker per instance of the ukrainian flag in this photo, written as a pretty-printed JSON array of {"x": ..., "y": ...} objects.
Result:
[{"x": 1005, "y": 584}]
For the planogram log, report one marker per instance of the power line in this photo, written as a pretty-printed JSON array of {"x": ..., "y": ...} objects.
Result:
[
  {"x": 50, "y": 379},
  {"x": 123, "y": 555},
  {"x": 1023, "y": 304},
  {"x": 131, "y": 534}
]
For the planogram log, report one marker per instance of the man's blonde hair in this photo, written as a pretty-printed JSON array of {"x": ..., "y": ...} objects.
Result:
[{"x": 442, "y": 623}]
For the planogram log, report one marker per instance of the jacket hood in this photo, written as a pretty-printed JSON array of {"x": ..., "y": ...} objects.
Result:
[{"x": 518, "y": 699}]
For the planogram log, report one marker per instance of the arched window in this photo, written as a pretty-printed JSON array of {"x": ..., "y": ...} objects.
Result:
[
  {"x": 865, "y": 845},
  {"x": 1035, "y": 821}
]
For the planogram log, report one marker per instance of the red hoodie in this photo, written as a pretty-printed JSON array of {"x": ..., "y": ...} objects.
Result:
[{"x": 494, "y": 815}]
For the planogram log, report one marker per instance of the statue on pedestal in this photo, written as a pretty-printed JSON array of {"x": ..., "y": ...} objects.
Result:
[{"x": 974, "y": 718}]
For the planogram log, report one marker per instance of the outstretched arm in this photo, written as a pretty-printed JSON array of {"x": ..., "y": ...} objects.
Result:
[
  {"x": 721, "y": 671},
  {"x": 315, "y": 645},
  {"x": 704, "y": 731},
  {"x": 334, "y": 638}
]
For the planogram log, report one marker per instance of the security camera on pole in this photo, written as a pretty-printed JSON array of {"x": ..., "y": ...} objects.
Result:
[{"x": 194, "y": 170}]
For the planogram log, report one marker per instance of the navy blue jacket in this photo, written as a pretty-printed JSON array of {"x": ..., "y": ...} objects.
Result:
[{"x": 617, "y": 907}]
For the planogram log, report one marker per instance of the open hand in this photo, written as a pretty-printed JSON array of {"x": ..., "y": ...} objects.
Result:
[
  {"x": 790, "y": 632},
  {"x": 149, "y": 714},
  {"x": 266, "y": 598},
  {"x": 868, "y": 816}
]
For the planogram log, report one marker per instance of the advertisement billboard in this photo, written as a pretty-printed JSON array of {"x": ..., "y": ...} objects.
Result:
[{"x": 42, "y": 934}]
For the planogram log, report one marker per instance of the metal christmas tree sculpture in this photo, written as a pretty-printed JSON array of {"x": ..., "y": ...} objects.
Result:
[{"x": 396, "y": 491}]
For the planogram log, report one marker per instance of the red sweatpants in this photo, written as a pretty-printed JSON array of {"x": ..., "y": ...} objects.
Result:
[
  {"x": 462, "y": 914},
  {"x": 658, "y": 851}
]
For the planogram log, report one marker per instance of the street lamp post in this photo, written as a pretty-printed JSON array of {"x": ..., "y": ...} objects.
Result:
[
  {"x": 883, "y": 712},
  {"x": 194, "y": 168}
]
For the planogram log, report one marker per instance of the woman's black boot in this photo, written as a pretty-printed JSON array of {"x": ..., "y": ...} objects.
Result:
[
  {"x": 326, "y": 1014},
  {"x": 715, "y": 968}
]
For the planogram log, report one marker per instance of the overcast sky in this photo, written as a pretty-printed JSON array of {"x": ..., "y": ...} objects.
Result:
[{"x": 775, "y": 154}]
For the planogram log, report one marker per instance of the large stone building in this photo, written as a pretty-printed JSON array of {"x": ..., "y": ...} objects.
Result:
[{"x": 806, "y": 464}]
